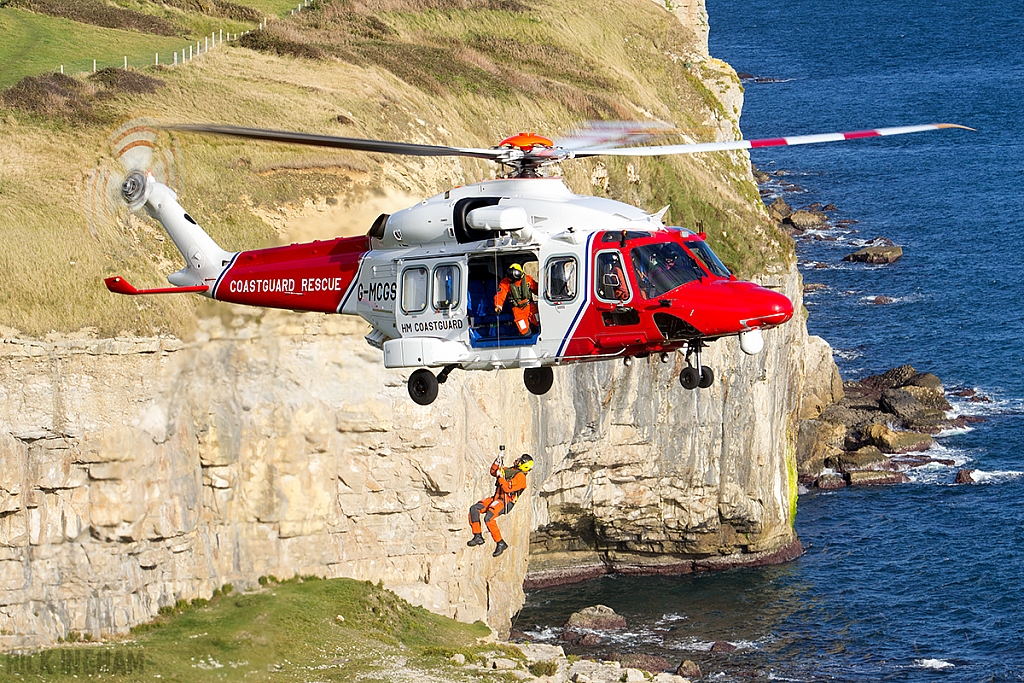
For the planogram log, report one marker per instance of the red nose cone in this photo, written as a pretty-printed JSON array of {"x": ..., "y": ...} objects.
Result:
[{"x": 769, "y": 308}]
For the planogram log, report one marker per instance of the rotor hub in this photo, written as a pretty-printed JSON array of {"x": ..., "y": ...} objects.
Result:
[
  {"x": 526, "y": 142},
  {"x": 133, "y": 189}
]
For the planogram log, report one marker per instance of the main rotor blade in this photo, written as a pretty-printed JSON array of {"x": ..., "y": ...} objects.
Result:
[
  {"x": 407, "y": 148},
  {"x": 693, "y": 148}
]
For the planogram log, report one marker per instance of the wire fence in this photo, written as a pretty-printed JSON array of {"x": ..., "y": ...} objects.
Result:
[{"x": 200, "y": 47}]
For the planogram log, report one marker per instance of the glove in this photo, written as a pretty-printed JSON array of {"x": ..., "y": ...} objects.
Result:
[{"x": 497, "y": 310}]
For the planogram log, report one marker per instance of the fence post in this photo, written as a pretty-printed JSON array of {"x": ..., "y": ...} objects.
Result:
[
  {"x": 94, "y": 66},
  {"x": 190, "y": 52},
  {"x": 156, "y": 59},
  {"x": 61, "y": 69},
  {"x": 126, "y": 63},
  {"x": 175, "y": 58},
  {"x": 222, "y": 35}
]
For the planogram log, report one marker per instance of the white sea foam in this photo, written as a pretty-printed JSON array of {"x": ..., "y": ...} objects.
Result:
[
  {"x": 671, "y": 618},
  {"x": 933, "y": 664},
  {"x": 543, "y": 635},
  {"x": 982, "y": 477},
  {"x": 847, "y": 354}
]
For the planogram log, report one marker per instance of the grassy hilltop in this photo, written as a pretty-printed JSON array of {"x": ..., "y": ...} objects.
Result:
[
  {"x": 298, "y": 630},
  {"x": 459, "y": 72}
]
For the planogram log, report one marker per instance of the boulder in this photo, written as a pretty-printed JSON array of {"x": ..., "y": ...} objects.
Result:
[
  {"x": 876, "y": 478},
  {"x": 965, "y": 477},
  {"x": 876, "y": 255},
  {"x": 927, "y": 380},
  {"x": 650, "y": 663},
  {"x": 723, "y": 646},
  {"x": 538, "y": 652},
  {"x": 895, "y": 377},
  {"x": 688, "y": 669},
  {"x": 596, "y": 618},
  {"x": 816, "y": 442},
  {"x": 805, "y": 220},
  {"x": 814, "y": 287},
  {"x": 779, "y": 209},
  {"x": 882, "y": 300},
  {"x": 889, "y": 441},
  {"x": 830, "y": 482},
  {"x": 588, "y": 640},
  {"x": 902, "y": 402},
  {"x": 866, "y": 458}
]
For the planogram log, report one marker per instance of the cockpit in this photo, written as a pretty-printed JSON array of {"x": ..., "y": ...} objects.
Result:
[{"x": 664, "y": 266}]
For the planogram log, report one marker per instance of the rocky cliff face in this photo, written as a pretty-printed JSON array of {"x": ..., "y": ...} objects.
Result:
[
  {"x": 139, "y": 472},
  {"x": 136, "y": 472}
]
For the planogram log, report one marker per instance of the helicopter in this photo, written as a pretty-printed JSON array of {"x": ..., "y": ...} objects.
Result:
[{"x": 439, "y": 281}]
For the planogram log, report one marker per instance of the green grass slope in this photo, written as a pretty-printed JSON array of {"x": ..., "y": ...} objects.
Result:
[
  {"x": 460, "y": 72},
  {"x": 299, "y": 630}
]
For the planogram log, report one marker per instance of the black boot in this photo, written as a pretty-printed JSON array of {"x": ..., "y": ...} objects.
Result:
[
  {"x": 500, "y": 548},
  {"x": 476, "y": 540}
]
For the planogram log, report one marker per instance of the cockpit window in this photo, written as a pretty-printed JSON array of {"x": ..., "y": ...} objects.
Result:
[
  {"x": 702, "y": 251},
  {"x": 661, "y": 268}
]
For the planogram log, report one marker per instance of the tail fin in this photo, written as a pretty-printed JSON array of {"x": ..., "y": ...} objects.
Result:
[{"x": 204, "y": 260}]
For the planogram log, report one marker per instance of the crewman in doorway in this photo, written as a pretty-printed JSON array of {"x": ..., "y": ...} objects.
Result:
[
  {"x": 520, "y": 289},
  {"x": 510, "y": 482}
]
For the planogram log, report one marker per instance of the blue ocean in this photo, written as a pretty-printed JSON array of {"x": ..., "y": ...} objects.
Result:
[{"x": 922, "y": 581}]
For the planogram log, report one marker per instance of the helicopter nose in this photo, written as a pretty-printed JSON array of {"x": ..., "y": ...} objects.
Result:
[{"x": 768, "y": 307}]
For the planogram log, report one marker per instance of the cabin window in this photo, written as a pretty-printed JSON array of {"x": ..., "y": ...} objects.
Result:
[
  {"x": 446, "y": 287},
  {"x": 560, "y": 284},
  {"x": 660, "y": 268},
  {"x": 414, "y": 289},
  {"x": 611, "y": 281}
]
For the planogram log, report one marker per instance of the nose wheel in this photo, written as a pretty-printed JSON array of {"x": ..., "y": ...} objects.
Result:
[{"x": 691, "y": 377}]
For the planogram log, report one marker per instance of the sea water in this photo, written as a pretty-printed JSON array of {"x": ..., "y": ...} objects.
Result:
[{"x": 921, "y": 581}]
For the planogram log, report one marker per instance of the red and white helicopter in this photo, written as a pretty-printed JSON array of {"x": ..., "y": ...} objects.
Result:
[{"x": 612, "y": 281}]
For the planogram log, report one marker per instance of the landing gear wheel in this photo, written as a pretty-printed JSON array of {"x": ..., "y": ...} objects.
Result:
[
  {"x": 538, "y": 380},
  {"x": 689, "y": 377},
  {"x": 707, "y": 377},
  {"x": 423, "y": 387}
]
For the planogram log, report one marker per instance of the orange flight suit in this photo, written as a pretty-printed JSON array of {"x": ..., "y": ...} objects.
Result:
[
  {"x": 524, "y": 309},
  {"x": 511, "y": 482}
]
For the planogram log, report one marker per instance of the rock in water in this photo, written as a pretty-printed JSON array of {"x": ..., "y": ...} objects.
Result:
[
  {"x": 723, "y": 646},
  {"x": 804, "y": 220},
  {"x": 965, "y": 477},
  {"x": 875, "y": 255},
  {"x": 688, "y": 669},
  {"x": 596, "y": 618}
]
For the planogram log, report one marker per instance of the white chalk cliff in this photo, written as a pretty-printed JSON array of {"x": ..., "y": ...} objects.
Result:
[{"x": 135, "y": 472}]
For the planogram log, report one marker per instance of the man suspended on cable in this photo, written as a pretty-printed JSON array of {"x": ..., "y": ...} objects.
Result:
[
  {"x": 510, "y": 482},
  {"x": 520, "y": 289}
]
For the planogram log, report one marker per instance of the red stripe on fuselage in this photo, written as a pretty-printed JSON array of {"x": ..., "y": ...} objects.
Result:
[{"x": 304, "y": 277}]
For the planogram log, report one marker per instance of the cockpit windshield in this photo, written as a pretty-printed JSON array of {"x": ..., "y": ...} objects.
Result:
[
  {"x": 662, "y": 267},
  {"x": 702, "y": 251}
]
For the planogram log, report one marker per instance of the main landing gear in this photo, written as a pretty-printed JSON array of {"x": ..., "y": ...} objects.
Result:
[
  {"x": 539, "y": 380},
  {"x": 423, "y": 384},
  {"x": 691, "y": 377}
]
